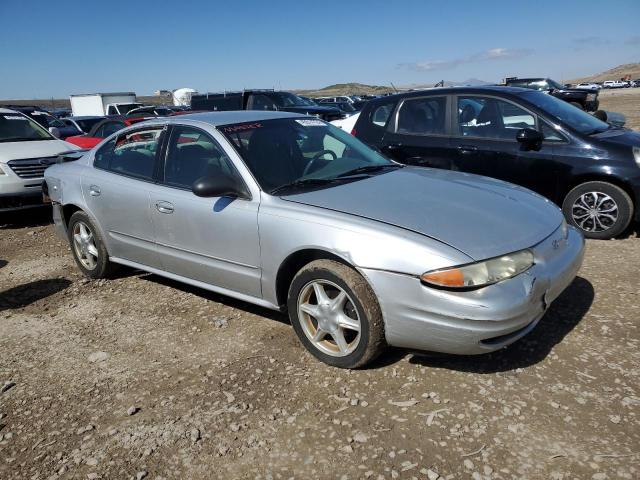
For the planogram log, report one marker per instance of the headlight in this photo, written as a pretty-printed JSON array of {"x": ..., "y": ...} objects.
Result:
[
  {"x": 591, "y": 97},
  {"x": 2, "y": 172},
  {"x": 636, "y": 154},
  {"x": 475, "y": 275}
]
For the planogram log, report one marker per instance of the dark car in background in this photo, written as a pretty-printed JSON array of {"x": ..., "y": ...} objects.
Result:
[
  {"x": 54, "y": 125},
  {"x": 263, "y": 100},
  {"x": 586, "y": 99},
  {"x": 345, "y": 107},
  {"x": 588, "y": 167},
  {"x": 83, "y": 124}
]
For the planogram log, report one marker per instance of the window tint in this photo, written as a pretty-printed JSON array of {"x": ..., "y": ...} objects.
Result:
[
  {"x": 133, "y": 154},
  {"x": 112, "y": 110},
  {"x": 261, "y": 102},
  {"x": 108, "y": 128},
  {"x": 380, "y": 115},
  {"x": 488, "y": 117},
  {"x": 423, "y": 116},
  {"x": 550, "y": 133},
  {"x": 193, "y": 154}
]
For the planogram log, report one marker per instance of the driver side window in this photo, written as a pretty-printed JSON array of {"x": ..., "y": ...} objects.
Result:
[{"x": 192, "y": 154}]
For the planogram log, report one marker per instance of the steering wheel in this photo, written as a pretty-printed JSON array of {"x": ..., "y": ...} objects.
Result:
[{"x": 316, "y": 157}]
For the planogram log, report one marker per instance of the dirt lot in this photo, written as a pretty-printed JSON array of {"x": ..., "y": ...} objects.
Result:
[
  {"x": 139, "y": 377},
  {"x": 624, "y": 100}
]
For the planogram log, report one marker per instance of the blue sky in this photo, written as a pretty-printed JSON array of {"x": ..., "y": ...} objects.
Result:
[{"x": 56, "y": 48}]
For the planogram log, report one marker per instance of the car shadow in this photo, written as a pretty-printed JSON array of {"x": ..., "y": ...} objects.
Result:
[
  {"x": 28, "y": 293},
  {"x": 218, "y": 298},
  {"x": 33, "y": 217},
  {"x": 561, "y": 318}
]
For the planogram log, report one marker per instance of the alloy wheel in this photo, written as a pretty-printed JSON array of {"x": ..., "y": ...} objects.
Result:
[
  {"x": 84, "y": 245},
  {"x": 329, "y": 318},
  {"x": 595, "y": 212}
]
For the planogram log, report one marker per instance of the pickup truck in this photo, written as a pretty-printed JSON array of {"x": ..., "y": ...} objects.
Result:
[
  {"x": 101, "y": 104},
  {"x": 585, "y": 99},
  {"x": 263, "y": 100}
]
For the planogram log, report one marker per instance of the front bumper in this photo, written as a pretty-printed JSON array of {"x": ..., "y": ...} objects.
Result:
[
  {"x": 478, "y": 321},
  {"x": 591, "y": 106},
  {"x": 18, "y": 193}
]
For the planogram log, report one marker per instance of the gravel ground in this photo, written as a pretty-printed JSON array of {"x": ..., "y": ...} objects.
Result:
[{"x": 140, "y": 377}]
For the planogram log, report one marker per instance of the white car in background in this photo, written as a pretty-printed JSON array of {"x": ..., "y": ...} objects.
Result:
[
  {"x": 588, "y": 86},
  {"x": 614, "y": 84},
  {"x": 348, "y": 123},
  {"x": 26, "y": 150}
]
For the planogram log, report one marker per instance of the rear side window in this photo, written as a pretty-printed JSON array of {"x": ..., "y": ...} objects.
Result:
[
  {"x": 381, "y": 114},
  {"x": 423, "y": 116},
  {"x": 132, "y": 154}
]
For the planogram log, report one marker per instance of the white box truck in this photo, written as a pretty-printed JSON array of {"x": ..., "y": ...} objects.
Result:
[{"x": 98, "y": 104}]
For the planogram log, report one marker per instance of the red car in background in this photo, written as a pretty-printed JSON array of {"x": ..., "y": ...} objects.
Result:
[{"x": 102, "y": 130}]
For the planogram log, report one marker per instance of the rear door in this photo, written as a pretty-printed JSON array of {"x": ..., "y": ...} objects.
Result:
[
  {"x": 211, "y": 240},
  {"x": 117, "y": 190},
  {"x": 484, "y": 142},
  {"x": 418, "y": 133}
]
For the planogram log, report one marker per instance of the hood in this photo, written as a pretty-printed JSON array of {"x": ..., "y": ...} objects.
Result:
[
  {"x": 623, "y": 137},
  {"x": 36, "y": 149},
  {"x": 478, "y": 216}
]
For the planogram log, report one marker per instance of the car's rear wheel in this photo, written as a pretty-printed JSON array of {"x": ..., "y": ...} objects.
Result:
[
  {"x": 89, "y": 250},
  {"x": 600, "y": 210},
  {"x": 336, "y": 315}
]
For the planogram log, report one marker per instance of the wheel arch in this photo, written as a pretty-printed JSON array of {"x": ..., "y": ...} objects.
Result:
[
  {"x": 599, "y": 177},
  {"x": 294, "y": 262}
]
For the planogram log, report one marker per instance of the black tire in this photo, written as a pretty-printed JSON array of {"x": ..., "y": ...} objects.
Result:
[
  {"x": 623, "y": 203},
  {"x": 371, "y": 341},
  {"x": 103, "y": 267}
]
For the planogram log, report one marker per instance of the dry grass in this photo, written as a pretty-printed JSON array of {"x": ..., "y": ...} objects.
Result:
[{"x": 625, "y": 101}]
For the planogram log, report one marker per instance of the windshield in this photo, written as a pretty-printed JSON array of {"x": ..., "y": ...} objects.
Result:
[
  {"x": 303, "y": 151},
  {"x": 286, "y": 99},
  {"x": 15, "y": 127},
  {"x": 126, "y": 107},
  {"x": 87, "y": 124},
  {"x": 554, "y": 84},
  {"x": 566, "y": 113}
]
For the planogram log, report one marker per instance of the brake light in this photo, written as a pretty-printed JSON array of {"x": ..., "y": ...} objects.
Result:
[{"x": 353, "y": 132}]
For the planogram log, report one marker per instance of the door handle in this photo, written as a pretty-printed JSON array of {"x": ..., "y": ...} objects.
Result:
[
  {"x": 164, "y": 207},
  {"x": 465, "y": 149},
  {"x": 94, "y": 190}
]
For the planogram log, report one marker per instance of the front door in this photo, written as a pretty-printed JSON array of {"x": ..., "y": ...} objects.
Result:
[
  {"x": 117, "y": 193},
  {"x": 484, "y": 143},
  {"x": 419, "y": 134},
  {"x": 212, "y": 240}
]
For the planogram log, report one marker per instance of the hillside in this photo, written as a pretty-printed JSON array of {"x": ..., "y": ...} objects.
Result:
[
  {"x": 614, "y": 73},
  {"x": 346, "y": 89}
]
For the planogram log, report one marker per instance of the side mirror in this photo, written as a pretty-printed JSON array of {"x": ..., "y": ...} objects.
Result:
[
  {"x": 54, "y": 131},
  {"x": 529, "y": 138},
  {"x": 218, "y": 186}
]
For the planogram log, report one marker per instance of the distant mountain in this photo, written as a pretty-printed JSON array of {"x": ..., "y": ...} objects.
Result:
[{"x": 615, "y": 73}]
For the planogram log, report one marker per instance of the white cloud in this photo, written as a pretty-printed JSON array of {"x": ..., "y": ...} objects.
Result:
[{"x": 491, "y": 54}]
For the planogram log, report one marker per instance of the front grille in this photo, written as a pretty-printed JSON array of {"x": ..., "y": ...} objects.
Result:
[{"x": 31, "y": 167}]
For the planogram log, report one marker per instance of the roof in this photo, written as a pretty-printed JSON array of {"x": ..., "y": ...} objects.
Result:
[
  {"x": 6, "y": 110},
  {"x": 455, "y": 90},
  {"x": 228, "y": 117},
  {"x": 93, "y": 94},
  {"x": 86, "y": 117}
]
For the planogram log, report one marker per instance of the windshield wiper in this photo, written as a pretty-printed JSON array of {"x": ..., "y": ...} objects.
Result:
[
  {"x": 305, "y": 182},
  {"x": 369, "y": 169}
]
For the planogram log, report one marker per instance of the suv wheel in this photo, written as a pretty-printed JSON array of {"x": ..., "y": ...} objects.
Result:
[
  {"x": 599, "y": 209},
  {"x": 88, "y": 248},
  {"x": 336, "y": 315}
]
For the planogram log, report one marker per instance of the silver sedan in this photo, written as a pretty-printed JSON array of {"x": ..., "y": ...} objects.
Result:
[{"x": 291, "y": 213}]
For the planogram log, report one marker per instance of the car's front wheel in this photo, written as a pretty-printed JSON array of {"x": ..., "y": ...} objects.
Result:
[
  {"x": 89, "y": 250},
  {"x": 336, "y": 315},
  {"x": 600, "y": 210}
]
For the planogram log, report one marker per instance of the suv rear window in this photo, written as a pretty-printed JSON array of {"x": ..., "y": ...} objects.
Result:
[{"x": 380, "y": 115}]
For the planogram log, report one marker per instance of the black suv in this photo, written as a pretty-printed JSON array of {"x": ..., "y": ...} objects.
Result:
[
  {"x": 585, "y": 99},
  {"x": 526, "y": 137}
]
